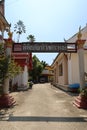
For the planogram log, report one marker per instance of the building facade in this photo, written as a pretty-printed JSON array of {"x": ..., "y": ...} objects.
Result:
[
  {"x": 66, "y": 65},
  {"x": 22, "y": 59},
  {"x": 21, "y": 80},
  {"x": 46, "y": 75}
]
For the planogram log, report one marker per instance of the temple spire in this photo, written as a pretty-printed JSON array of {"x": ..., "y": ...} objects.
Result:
[{"x": 79, "y": 35}]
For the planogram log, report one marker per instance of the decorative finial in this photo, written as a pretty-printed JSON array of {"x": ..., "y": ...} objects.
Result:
[
  {"x": 65, "y": 40},
  {"x": 10, "y": 34},
  {"x": 79, "y": 35}
]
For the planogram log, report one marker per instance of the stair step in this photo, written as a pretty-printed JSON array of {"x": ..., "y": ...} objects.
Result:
[{"x": 80, "y": 103}]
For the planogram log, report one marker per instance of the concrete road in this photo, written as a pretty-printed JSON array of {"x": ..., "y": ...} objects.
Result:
[{"x": 43, "y": 108}]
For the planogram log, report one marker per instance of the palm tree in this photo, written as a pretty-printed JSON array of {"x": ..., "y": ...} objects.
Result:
[
  {"x": 31, "y": 38},
  {"x": 19, "y": 28}
]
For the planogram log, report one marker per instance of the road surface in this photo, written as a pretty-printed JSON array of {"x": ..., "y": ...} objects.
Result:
[{"x": 43, "y": 108}]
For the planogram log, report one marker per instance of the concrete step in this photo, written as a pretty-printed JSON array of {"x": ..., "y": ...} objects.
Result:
[{"x": 80, "y": 102}]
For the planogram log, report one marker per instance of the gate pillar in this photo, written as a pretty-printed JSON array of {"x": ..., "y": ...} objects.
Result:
[
  {"x": 80, "y": 101},
  {"x": 80, "y": 49},
  {"x": 5, "y": 99}
]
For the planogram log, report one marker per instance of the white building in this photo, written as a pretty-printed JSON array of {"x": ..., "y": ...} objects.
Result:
[{"x": 66, "y": 65}]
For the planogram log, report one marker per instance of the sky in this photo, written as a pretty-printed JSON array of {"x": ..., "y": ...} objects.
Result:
[{"x": 47, "y": 20}]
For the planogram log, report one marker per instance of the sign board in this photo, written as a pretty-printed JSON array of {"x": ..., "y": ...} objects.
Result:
[{"x": 44, "y": 47}]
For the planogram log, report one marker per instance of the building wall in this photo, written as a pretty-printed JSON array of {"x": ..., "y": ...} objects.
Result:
[
  {"x": 21, "y": 79},
  {"x": 56, "y": 72},
  {"x": 65, "y": 66},
  {"x": 47, "y": 73},
  {"x": 69, "y": 69},
  {"x": 61, "y": 69},
  {"x": 70, "y": 64},
  {"x": 85, "y": 61},
  {"x": 73, "y": 68},
  {"x": 60, "y": 76},
  {"x": 63, "y": 79}
]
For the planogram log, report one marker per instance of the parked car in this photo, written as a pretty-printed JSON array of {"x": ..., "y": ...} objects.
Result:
[{"x": 42, "y": 80}]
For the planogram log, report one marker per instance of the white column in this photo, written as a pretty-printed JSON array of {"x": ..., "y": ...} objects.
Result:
[
  {"x": 80, "y": 50},
  {"x": 8, "y": 54},
  {"x": 25, "y": 76},
  {"x": 6, "y": 86},
  {"x": 81, "y": 67}
]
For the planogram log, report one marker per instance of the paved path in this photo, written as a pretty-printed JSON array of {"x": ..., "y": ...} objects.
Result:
[{"x": 43, "y": 108}]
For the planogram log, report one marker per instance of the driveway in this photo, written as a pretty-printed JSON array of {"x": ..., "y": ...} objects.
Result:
[{"x": 43, "y": 108}]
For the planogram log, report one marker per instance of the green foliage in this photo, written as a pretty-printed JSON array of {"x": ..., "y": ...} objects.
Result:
[
  {"x": 44, "y": 63},
  {"x": 3, "y": 67},
  {"x": 1, "y": 50},
  {"x": 83, "y": 92},
  {"x": 31, "y": 38},
  {"x": 7, "y": 68},
  {"x": 13, "y": 69},
  {"x": 37, "y": 69}
]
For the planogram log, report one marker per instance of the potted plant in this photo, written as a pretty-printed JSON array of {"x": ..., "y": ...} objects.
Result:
[
  {"x": 83, "y": 93},
  {"x": 81, "y": 100}
]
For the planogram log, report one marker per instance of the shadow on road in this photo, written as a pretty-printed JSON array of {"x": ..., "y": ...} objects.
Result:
[
  {"x": 47, "y": 119},
  {"x": 72, "y": 94}
]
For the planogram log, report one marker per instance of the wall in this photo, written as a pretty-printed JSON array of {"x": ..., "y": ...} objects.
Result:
[
  {"x": 70, "y": 63},
  {"x": 21, "y": 79},
  {"x": 85, "y": 61},
  {"x": 64, "y": 78},
  {"x": 73, "y": 67}
]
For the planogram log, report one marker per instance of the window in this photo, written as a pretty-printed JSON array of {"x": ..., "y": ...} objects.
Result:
[{"x": 60, "y": 70}]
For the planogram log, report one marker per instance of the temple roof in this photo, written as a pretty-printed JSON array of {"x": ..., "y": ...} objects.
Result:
[{"x": 3, "y": 23}]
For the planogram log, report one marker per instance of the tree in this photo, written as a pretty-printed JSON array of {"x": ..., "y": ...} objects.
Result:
[
  {"x": 19, "y": 28},
  {"x": 31, "y": 38},
  {"x": 44, "y": 63},
  {"x": 3, "y": 63},
  {"x": 7, "y": 69},
  {"x": 37, "y": 69}
]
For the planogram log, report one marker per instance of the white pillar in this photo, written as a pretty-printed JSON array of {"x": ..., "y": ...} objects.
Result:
[
  {"x": 6, "y": 86},
  {"x": 8, "y": 54},
  {"x": 25, "y": 76},
  {"x": 81, "y": 67},
  {"x": 80, "y": 50}
]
